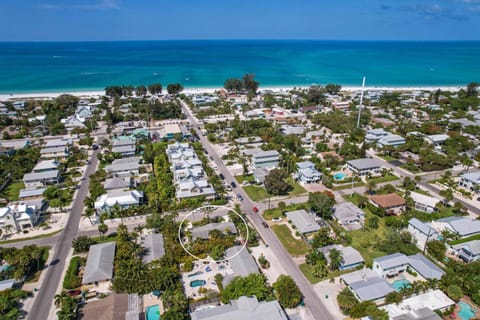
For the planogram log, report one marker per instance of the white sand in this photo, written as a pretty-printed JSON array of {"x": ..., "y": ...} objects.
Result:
[{"x": 45, "y": 95}]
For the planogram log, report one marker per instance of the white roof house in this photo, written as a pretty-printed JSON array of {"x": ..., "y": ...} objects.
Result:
[
  {"x": 303, "y": 221},
  {"x": 124, "y": 199},
  {"x": 367, "y": 285},
  {"x": 266, "y": 159},
  {"x": 241, "y": 309},
  {"x": 18, "y": 217},
  {"x": 364, "y": 166},
  {"x": 241, "y": 262},
  {"x": 307, "y": 173},
  {"x": 391, "y": 140},
  {"x": 375, "y": 135},
  {"x": 468, "y": 251},
  {"x": 392, "y": 264},
  {"x": 424, "y": 203},
  {"x": 351, "y": 258},
  {"x": 409, "y": 308},
  {"x": 469, "y": 180},
  {"x": 421, "y": 232},
  {"x": 349, "y": 215},
  {"x": 463, "y": 226},
  {"x": 46, "y": 165},
  {"x": 41, "y": 179},
  {"x": 203, "y": 232}
]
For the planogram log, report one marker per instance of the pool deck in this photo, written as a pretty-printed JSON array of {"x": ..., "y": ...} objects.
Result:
[
  {"x": 454, "y": 315},
  {"x": 151, "y": 300},
  {"x": 206, "y": 276}
]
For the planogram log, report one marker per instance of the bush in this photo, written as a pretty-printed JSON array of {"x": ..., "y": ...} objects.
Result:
[
  {"x": 454, "y": 292},
  {"x": 72, "y": 280}
]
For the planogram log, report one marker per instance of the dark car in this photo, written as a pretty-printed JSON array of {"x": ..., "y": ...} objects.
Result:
[
  {"x": 264, "y": 224},
  {"x": 94, "y": 146},
  {"x": 233, "y": 184},
  {"x": 221, "y": 176},
  {"x": 239, "y": 197}
]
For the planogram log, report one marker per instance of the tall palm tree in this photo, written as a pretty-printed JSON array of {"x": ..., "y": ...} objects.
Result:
[
  {"x": 346, "y": 299},
  {"x": 102, "y": 228},
  {"x": 371, "y": 186},
  {"x": 336, "y": 259}
]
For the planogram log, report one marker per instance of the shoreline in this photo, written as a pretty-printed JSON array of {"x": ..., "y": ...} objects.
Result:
[{"x": 197, "y": 90}]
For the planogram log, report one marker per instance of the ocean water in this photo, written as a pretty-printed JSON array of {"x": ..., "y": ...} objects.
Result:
[{"x": 63, "y": 66}]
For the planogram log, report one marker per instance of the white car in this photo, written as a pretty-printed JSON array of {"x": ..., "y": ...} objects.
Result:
[{"x": 276, "y": 219}]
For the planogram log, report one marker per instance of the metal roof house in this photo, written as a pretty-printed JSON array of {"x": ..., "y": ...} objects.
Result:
[
  {"x": 421, "y": 231},
  {"x": 395, "y": 263},
  {"x": 468, "y": 251},
  {"x": 424, "y": 203},
  {"x": 307, "y": 173},
  {"x": 266, "y": 159},
  {"x": 124, "y": 199},
  {"x": 469, "y": 180},
  {"x": 241, "y": 309},
  {"x": 463, "y": 226},
  {"x": 203, "y": 232},
  {"x": 351, "y": 257},
  {"x": 367, "y": 285},
  {"x": 241, "y": 261},
  {"x": 349, "y": 215},
  {"x": 364, "y": 166},
  {"x": 99, "y": 263},
  {"x": 303, "y": 221},
  {"x": 41, "y": 179}
]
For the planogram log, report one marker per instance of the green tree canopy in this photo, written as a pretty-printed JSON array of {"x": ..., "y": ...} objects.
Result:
[
  {"x": 275, "y": 182},
  {"x": 287, "y": 292},
  {"x": 321, "y": 203},
  {"x": 252, "y": 285}
]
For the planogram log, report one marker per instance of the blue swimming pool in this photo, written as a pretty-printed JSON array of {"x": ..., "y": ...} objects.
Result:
[
  {"x": 339, "y": 176},
  {"x": 197, "y": 283},
  {"x": 153, "y": 313},
  {"x": 402, "y": 283},
  {"x": 466, "y": 311}
]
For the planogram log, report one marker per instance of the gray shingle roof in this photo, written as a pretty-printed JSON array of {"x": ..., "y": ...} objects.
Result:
[
  {"x": 472, "y": 246},
  {"x": 115, "y": 183},
  {"x": 24, "y": 193},
  {"x": 303, "y": 221},
  {"x": 241, "y": 309},
  {"x": 45, "y": 175},
  {"x": 99, "y": 263},
  {"x": 421, "y": 226},
  {"x": 153, "y": 247},
  {"x": 350, "y": 255},
  {"x": 203, "y": 231},
  {"x": 464, "y": 226},
  {"x": 372, "y": 289}
]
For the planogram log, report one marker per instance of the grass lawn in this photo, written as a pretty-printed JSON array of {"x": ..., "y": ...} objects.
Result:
[
  {"x": 242, "y": 178},
  {"x": 106, "y": 238},
  {"x": 276, "y": 213},
  {"x": 256, "y": 193},
  {"x": 294, "y": 247},
  {"x": 388, "y": 158},
  {"x": 13, "y": 190},
  {"x": 297, "y": 188},
  {"x": 471, "y": 238},
  {"x": 348, "y": 186},
  {"x": 387, "y": 178},
  {"x": 307, "y": 270}
]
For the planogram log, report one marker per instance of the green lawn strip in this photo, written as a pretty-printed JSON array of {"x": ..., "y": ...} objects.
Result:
[
  {"x": 109, "y": 238},
  {"x": 388, "y": 158},
  {"x": 13, "y": 190},
  {"x": 297, "y": 188},
  {"x": 307, "y": 270},
  {"x": 46, "y": 235},
  {"x": 242, "y": 178},
  {"x": 276, "y": 213},
  {"x": 256, "y": 193},
  {"x": 387, "y": 178},
  {"x": 471, "y": 238},
  {"x": 294, "y": 247},
  {"x": 348, "y": 186}
]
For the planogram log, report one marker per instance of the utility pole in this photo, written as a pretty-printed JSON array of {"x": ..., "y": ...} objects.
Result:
[{"x": 361, "y": 103}]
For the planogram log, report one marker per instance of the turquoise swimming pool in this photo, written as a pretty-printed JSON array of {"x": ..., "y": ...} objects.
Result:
[
  {"x": 339, "y": 176},
  {"x": 153, "y": 313},
  {"x": 197, "y": 283},
  {"x": 466, "y": 311},
  {"x": 402, "y": 283}
]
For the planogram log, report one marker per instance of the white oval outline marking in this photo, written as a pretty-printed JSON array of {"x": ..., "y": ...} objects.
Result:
[{"x": 216, "y": 207}]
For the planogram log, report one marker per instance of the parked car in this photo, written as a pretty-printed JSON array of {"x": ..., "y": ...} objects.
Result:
[
  {"x": 221, "y": 176},
  {"x": 277, "y": 219},
  {"x": 233, "y": 184},
  {"x": 94, "y": 146},
  {"x": 264, "y": 224},
  {"x": 239, "y": 197},
  {"x": 255, "y": 209}
]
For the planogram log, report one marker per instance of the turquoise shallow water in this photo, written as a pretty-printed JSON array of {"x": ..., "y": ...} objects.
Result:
[
  {"x": 57, "y": 66},
  {"x": 153, "y": 313},
  {"x": 466, "y": 312}
]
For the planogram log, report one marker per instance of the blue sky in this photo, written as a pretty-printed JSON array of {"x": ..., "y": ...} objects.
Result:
[{"x": 72, "y": 20}]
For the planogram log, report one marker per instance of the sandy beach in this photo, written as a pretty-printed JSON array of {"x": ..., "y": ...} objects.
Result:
[{"x": 90, "y": 93}]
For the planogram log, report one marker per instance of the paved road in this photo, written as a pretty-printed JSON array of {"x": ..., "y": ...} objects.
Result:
[
  {"x": 312, "y": 301},
  {"x": 44, "y": 300}
]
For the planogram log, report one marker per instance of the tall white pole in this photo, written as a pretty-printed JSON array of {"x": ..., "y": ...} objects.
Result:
[{"x": 361, "y": 103}]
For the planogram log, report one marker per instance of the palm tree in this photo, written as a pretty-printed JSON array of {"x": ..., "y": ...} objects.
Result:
[
  {"x": 336, "y": 259},
  {"x": 320, "y": 270},
  {"x": 37, "y": 254},
  {"x": 139, "y": 228},
  {"x": 59, "y": 298},
  {"x": 371, "y": 186},
  {"x": 346, "y": 299},
  {"x": 89, "y": 213},
  {"x": 102, "y": 228}
]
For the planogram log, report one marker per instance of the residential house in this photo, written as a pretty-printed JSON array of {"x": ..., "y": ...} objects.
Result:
[
  {"x": 393, "y": 264},
  {"x": 349, "y": 216},
  {"x": 125, "y": 167},
  {"x": 33, "y": 193},
  {"x": 295, "y": 130},
  {"x": 113, "y": 307},
  {"x": 266, "y": 159},
  {"x": 364, "y": 166},
  {"x": 470, "y": 181},
  {"x": 99, "y": 265},
  {"x": 72, "y": 122},
  {"x": 367, "y": 285},
  {"x": 124, "y": 199},
  {"x": 241, "y": 262},
  {"x": 116, "y": 183},
  {"x": 392, "y": 203},
  {"x": 125, "y": 146},
  {"x": 84, "y": 112},
  {"x": 307, "y": 173},
  {"x": 19, "y": 105},
  {"x": 242, "y": 308},
  {"x": 421, "y": 232},
  {"x": 170, "y": 131},
  {"x": 420, "y": 307},
  {"x": 303, "y": 221},
  {"x": 468, "y": 251},
  {"x": 180, "y": 151},
  {"x": 373, "y": 135},
  {"x": 60, "y": 153},
  {"x": 191, "y": 187},
  {"x": 351, "y": 258},
  {"x": 463, "y": 226},
  {"x": 392, "y": 140},
  {"x": 437, "y": 139},
  {"x": 41, "y": 179},
  {"x": 18, "y": 217},
  {"x": 203, "y": 232},
  {"x": 424, "y": 203},
  {"x": 259, "y": 174},
  {"x": 7, "y": 284},
  {"x": 46, "y": 165},
  {"x": 153, "y": 247}
]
